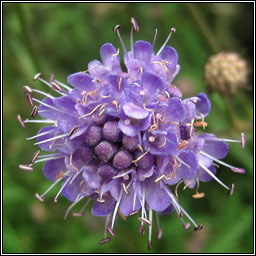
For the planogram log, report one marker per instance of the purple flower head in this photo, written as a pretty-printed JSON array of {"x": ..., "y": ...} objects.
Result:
[{"x": 123, "y": 139}]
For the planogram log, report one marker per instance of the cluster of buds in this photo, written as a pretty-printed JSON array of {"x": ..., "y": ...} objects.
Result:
[
  {"x": 124, "y": 141},
  {"x": 226, "y": 71}
]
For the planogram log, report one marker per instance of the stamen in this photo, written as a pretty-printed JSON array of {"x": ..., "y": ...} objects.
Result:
[
  {"x": 105, "y": 240},
  {"x": 199, "y": 227},
  {"x": 35, "y": 156},
  {"x": 70, "y": 162},
  {"x": 230, "y": 192},
  {"x": 51, "y": 139},
  {"x": 44, "y": 93},
  {"x": 125, "y": 189},
  {"x": 83, "y": 208},
  {"x": 159, "y": 178},
  {"x": 144, "y": 220},
  {"x": 181, "y": 161},
  {"x": 166, "y": 41},
  {"x": 47, "y": 105},
  {"x": 154, "y": 40},
  {"x": 141, "y": 156},
  {"x": 213, "y": 176},
  {"x": 234, "y": 169},
  {"x": 176, "y": 188},
  {"x": 164, "y": 143},
  {"x": 63, "y": 85},
  {"x": 105, "y": 96},
  {"x": 140, "y": 148},
  {"x": 56, "y": 87},
  {"x": 91, "y": 111},
  {"x": 55, "y": 200},
  {"x": 30, "y": 100},
  {"x": 159, "y": 230},
  {"x": 133, "y": 213},
  {"x": 198, "y": 195},
  {"x": 39, "y": 135},
  {"x": 21, "y": 121},
  {"x": 150, "y": 230},
  {"x": 188, "y": 216},
  {"x": 243, "y": 140},
  {"x": 135, "y": 24},
  {"x": 168, "y": 94},
  {"x": 148, "y": 109},
  {"x": 111, "y": 231},
  {"x": 77, "y": 200},
  {"x": 37, "y": 76},
  {"x": 116, "y": 208},
  {"x": 115, "y": 102},
  {"x": 41, "y": 197},
  {"x": 25, "y": 167},
  {"x": 116, "y": 29},
  {"x": 200, "y": 124},
  {"x": 73, "y": 130},
  {"x": 175, "y": 203},
  {"x": 34, "y": 111},
  {"x": 100, "y": 200},
  {"x": 27, "y": 89},
  {"x": 115, "y": 54},
  {"x": 49, "y": 85},
  {"x": 183, "y": 144},
  {"x": 122, "y": 175}
]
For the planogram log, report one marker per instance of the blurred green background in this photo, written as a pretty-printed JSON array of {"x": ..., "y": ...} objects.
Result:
[{"x": 62, "y": 38}]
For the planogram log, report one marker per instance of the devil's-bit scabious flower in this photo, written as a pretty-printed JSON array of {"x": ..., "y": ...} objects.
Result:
[
  {"x": 226, "y": 71},
  {"x": 123, "y": 140}
]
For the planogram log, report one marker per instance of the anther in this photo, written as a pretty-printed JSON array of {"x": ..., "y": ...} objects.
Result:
[
  {"x": 144, "y": 220},
  {"x": 166, "y": 41},
  {"x": 37, "y": 76},
  {"x": 135, "y": 24},
  {"x": 77, "y": 214},
  {"x": 100, "y": 200},
  {"x": 105, "y": 240},
  {"x": 173, "y": 30},
  {"x": 186, "y": 225},
  {"x": 28, "y": 89},
  {"x": 25, "y": 167},
  {"x": 200, "y": 124},
  {"x": 125, "y": 189},
  {"x": 39, "y": 197},
  {"x": 199, "y": 227},
  {"x": 35, "y": 156},
  {"x": 159, "y": 178},
  {"x": 183, "y": 144},
  {"x": 159, "y": 233},
  {"x": 56, "y": 86},
  {"x": 180, "y": 215},
  {"x": 238, "y": 170},
  {"x": 111, "y": 231},
  {"x": 133, "y": 213},
  {"x": 73, "y": 130},
  {"x": 21, "y": 121},
  {"x": 230, "y": 192},
  {"x": 150, "y": 245},
  {"x": 30, "y": 100},
  {"x": 34, "y": 111},
  {"x": 142, "y": 230},
  {"x": 243, "y": 140},
  {"x": 198, "y": 195},
  {"x": 164, "y": 143},
  {"x": 116, "y": 27}
]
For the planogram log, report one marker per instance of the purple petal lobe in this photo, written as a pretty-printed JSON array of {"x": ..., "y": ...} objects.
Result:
[
  {"x": 189, "y": 165},
  {"x": 134, "y": 111},
  {"x": 53, "y": 169},
  {"x": 203, "y": 105},
  {"x": 143, "y": 51},
  {"x": 81, "y": 81},
  {"x": 103, "y": 209}
]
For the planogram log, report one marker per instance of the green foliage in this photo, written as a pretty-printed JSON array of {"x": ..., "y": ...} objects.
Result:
[{"x": 62, "y": 38}]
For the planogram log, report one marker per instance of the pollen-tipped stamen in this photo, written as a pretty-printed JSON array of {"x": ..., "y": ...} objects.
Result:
[
  {"x": 166, "y": 41},
  {"x": 116, "y": 29}
]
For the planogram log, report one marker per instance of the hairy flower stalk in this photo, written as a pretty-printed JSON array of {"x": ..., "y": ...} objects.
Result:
[{"x": 124, "y": 141}]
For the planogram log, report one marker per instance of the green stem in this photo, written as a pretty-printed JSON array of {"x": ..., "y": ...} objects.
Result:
[{"x": 196, "y": 14}]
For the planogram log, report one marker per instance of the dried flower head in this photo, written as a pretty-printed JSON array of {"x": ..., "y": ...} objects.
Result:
[
  {"x": 226, "y": 71},
  {"x": 125, "y": 140}
]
